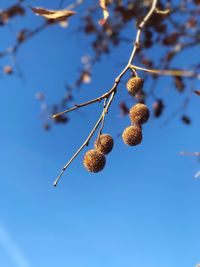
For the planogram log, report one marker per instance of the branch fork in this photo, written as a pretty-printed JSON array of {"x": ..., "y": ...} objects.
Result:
[{"x": 109, "y": 95}]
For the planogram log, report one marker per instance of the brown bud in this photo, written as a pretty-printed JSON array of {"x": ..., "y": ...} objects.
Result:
[
  {"x": 21, "y": 36},
  {"x": 180, "y": 86},
  {"x": 124, "y": 109},
  {"x": 94, "y": 161},
  {"x": 104, "y": 143},
  {"x": 132, "y": 135},
  {"x": 8, "y": 70},
  {"x": 185, "y": 119},
  {"x": 158, "y": 107},
  {"x": 139, "y": 114},
  {"x": 171, "y": 39},
  {"x": 61, "y": 119},
  {"x": 46, "y": 127},
  {"x": 134, "y": 85}
]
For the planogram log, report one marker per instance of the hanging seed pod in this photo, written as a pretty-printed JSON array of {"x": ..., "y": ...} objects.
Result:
[
  {"x": 94, "y": 161},
  {"x": 134, "y": 85},
  {"x": 139, "y": 114},
  {"x": 132, "y": 135},
  {"x": 104, "y": 144}
]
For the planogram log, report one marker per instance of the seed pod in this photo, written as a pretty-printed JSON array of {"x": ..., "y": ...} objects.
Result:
[
  {"x": 158, "y": 107},
  {"x": 139, "y": 114},
  {"x": 104, "y": 143},
  {"x": 132, "y": 135},
  {"x": 134, "y": 85},
  {"x": 94, "y": 161}
]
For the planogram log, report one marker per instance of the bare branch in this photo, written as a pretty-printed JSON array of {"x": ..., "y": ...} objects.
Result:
[
  {"x": 111, "y": 93},
  {"x": 98, "y": 99}
]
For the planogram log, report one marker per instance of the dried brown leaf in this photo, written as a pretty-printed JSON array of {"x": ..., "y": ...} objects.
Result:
[
  {"x": 13, "y": 11},
  {"x": 158, "y": 107},
  {"x": 123, "y": 108},
  {"x": 53, "y": 15},
  {"x": 103, "y": 5},
  {"x": 196, "y": 92},
  {"x": 86, "y": 77}
]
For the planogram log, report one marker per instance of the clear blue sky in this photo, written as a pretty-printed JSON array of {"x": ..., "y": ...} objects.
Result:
[{"x": 141, "y": 211}]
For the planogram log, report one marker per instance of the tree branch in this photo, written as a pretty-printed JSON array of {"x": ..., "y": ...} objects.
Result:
[
  {"x": 111, "y": 93},
  {"x": 184, "y": 73}
]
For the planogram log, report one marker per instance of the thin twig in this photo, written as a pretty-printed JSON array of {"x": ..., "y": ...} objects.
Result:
[
  {"x": 98, "y": 99},
  {"x": 111, "y": 93},
  {"x": 87, "y": 140},
  {"x": 74, "y": 5},
  {"x": 184, "y": 73},
  {"x": 163, "y": 12},
  {"x": 103, "y": 120}
]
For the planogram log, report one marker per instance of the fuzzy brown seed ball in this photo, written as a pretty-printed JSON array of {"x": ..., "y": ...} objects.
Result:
[
  {"x": 94, "y": 161},
  {"x": 134, "y": 85},
  {"x": 132, "y": 135},
  {"x": 139, "y": 114},
  {"x": 104, "y": 143}
]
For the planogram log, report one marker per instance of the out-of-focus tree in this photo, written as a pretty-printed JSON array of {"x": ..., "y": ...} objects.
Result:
[{"x": 104, "y": 23}]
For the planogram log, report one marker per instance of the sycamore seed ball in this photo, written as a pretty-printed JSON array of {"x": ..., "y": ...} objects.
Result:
[
  {"x": 134, "y": 85},
  {"x": 139, "y": 114},
  {"x": 132, "y": 135},
  {"x": 104, "y": 144},
  {"x": 94, "y": 161}
]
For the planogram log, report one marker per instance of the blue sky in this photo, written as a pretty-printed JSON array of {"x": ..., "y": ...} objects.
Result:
[{"x": 142, "y": 210}]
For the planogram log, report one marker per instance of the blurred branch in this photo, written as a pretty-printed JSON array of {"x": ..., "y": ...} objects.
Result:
[
  {"x": 28, "y": 34},
  {"x": 183, "y": 73}
]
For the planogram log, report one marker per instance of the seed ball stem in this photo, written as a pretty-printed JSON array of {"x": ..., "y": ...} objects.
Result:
[
  {"x": 104, "y": 144},
  {"x": 134, "y": 85},
  {"x": 132, "y": 135},
  {"x": 94, "y": 161},
  {"x": 139, "y": 114}
]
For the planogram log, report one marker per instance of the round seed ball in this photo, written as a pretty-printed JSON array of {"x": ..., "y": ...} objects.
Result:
[
  {"x": 134, "y": 85},
  {"x": 139, "y": 114},
  {"x": 94, "y": 161},
  {"x": 104, "y": 143},
  {"x": 132, "y": 135}
]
